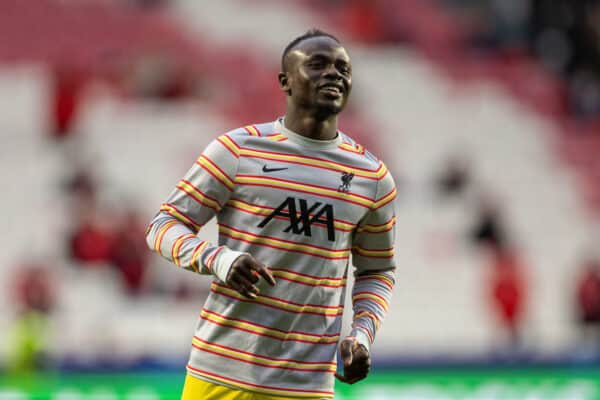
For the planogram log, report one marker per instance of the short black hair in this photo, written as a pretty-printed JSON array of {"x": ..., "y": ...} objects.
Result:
[{"x": 311, "y": 33}]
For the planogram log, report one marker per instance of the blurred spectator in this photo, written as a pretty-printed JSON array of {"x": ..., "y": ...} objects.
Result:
[
  {"x": 563, "y": 34},
  {"x": 588, "y": 302},
  {"x": 454, "y": 178},
  {"x": 488, "y": 229},
  {"x": 67, "y": 87},
  {"x": 158, "y": 76},
  {"x": 494, "y": 24},
  {"x": 566, "y": 35},
  {"x": 129, "y": 253},
  {"x": 81, "y": 185},
  {"x": 35, "y": 299},
  {"x": 510, "y": 23},
  {"x": 34, "y": 290},
  {"x": 92, "y": 238},
  {"x": 508, "y": 293},
  {"x": 584, "y": 92},
  {"x": 363, "y": 20}
]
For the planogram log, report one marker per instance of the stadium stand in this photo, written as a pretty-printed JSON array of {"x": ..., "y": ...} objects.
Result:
[{"x": 421, "y": 106}]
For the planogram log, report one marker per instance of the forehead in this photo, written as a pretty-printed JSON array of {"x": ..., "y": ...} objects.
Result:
[{"x": 320, "y": 45}]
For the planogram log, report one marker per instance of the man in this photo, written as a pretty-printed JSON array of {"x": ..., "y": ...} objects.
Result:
[{"x": 293, "y": 199}]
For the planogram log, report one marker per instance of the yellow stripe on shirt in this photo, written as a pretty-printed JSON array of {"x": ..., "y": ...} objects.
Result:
[
  {"x": 283, "y": 244},
  {"x": 313, "y": 162},
  {"x": 281, "y": 303},
  {"x": 261, "y": 360},
  {"x": 209, "y": 165},
  {"x": 378, "y": 228},
  {"x": 278, "y": 183},
  {"x": 177, "y": 244},
  {"x": 161, "y": 234},
  {"x": 261, "y": 330},
  {"x": 258, "y": 210}
]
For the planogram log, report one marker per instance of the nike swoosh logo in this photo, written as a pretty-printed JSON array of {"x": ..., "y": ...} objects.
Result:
[{"x": 265, "y": 169}]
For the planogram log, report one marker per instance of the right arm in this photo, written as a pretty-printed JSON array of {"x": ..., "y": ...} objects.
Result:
[{"x": 202, "y": 192}]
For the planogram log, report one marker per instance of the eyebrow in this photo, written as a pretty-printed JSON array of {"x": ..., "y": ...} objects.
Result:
[{"x": 328, "y": 57}]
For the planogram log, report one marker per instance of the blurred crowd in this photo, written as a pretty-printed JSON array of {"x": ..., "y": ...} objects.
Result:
[
  {"x": 508, "y": 280},
  {"x": 563, "y": 35}
]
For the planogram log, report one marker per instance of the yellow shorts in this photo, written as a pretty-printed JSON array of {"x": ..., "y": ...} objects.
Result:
[{"x": 198, "y": 389}]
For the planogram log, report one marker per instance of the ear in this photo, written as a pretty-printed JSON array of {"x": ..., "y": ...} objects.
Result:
[{"x": 284, "y": 83}]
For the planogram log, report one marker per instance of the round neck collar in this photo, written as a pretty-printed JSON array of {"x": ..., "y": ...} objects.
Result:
[{"x": 305, "y": 141}]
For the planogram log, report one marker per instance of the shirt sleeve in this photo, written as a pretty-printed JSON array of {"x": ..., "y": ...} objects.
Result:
[
  {"x": 197, "y": 197},
  {"x": 373, "y": 259}
]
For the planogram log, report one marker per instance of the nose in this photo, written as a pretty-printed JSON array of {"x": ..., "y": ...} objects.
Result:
[{"x": 332, "y": 72}]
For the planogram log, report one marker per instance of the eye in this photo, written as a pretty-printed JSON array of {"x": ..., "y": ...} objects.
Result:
[
  {"x": 344, "y": 68},
  {"x": 316, "y": 64}
]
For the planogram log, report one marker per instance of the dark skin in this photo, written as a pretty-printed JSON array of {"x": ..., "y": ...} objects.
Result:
[{"x": 317, "y": 81}]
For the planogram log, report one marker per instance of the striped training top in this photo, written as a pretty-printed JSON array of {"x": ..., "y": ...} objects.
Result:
[{"x": 301, "y": 207}]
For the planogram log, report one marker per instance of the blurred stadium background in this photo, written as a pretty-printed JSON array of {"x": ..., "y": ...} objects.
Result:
[{"x": 486, "y": 111}]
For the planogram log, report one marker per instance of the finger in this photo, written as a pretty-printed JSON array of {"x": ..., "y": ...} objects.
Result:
[
  {"x": 246, "y": 284},
  {"x": 349, "y": 381},
  {"x": 356, "y": 374},
  {"x": 346, "y": 352},
  {"x": 264, "y": 272},
  {"x": 246, "y": 293},
  {"x": 356, "y": 379},
  {"x": 235, "y": 283},
  {"x": 249, "y": 274},
  {"x": 361, "y": 356},
  {"x": 231, "y": 282},
  {"x": 353, "y": 381}
]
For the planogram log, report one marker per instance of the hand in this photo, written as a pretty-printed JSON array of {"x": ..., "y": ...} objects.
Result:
[
  {"x": 245, "y": 272},
  {"x": 357, "y": 361}
]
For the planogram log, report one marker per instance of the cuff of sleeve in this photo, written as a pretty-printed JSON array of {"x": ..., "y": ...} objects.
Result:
[
  {"x": 223, "y": 261},
  {"x": 362, "y": 338}
]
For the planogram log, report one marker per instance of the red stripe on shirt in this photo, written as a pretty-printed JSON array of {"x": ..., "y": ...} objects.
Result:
[
  {"x": 365, "y": 330},
  {"x": 283, "y": 248},
  {"x": 274, "y": 306},
  {"x": 307, "y": 275},
  {"x": 347, "y": 166},
  {"x": 372, "y": 294},
  {"x": 319, "y": 370},
  {"x": 339, "y": 220},
  {"x": 319, "y": 224},
  {"x": 227, "y": 147},
  {"x": 245, "y": 321},
  {"x": 306, "y": 164},
  {"x": 304, "y": 184},
  {"x": 255, "y": 385},
  {"x": 310, "y": 284},
  {"x": 214, "y": 175},
  {"x": 368, "y": 278},
  {"x": 262, "y": 356},
  {"x": 211, "y": 259},
  {"x": 239, "y": 328},
  {"x": 191, "y": 222},
  {"x": 287, "y": 301},
  {"x": 283, "y": 240},
  {"x": 304, "y": 191}
]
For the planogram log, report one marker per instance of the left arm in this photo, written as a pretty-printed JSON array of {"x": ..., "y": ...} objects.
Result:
[{"x": 373, "y": 258}]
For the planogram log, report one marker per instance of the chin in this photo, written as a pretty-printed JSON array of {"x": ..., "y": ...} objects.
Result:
[{"x": 329, "y": 109}]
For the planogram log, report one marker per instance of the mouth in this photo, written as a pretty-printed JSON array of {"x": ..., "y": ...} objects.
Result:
[{"x": 332, "y": 90}]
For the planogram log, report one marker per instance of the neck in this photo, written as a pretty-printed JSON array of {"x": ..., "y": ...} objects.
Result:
[{"x": 311, "y": 126}]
